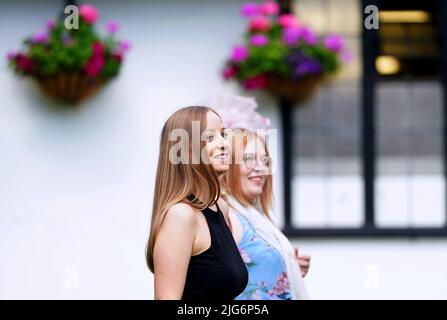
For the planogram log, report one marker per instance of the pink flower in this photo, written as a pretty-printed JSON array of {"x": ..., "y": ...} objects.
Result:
[
  {"x": 51, "y": 24},
  {"x": 89, "y": 13},
  {"x": 98, "y": 49},
  {"x": 123, "y": 46},
  {"x": 239, "y": 54},
  {"x": 40, "y": 38},
  {"x": 259, "y": 23},
  {"x": 229, "y": 72},
  {"x": 94, "y": 66},
  {"x": 10, "y": 56},
  {"x": 256, "y": 82},
  {"x": 287, "y": 20},
  {"x": 245, "y": 256},
  {"x": 249, "y": 9},
  {"x": 112, "y": 27},
  {"x": 269, "y": 8},
  {"x": 259, "y": 40},
  {"x": 334, "y": 43}
]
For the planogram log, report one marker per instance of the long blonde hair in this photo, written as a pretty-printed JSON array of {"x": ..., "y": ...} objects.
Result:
[
  {"x": 232, "y": 178},
  {"x": 175, "y": 182}
]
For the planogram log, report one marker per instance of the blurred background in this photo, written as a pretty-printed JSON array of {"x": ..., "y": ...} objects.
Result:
[{"x": 363, "y": 160}]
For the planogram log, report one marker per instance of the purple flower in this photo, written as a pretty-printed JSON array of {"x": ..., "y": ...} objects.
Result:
[
  {"x": 112, "y": 27},
  {"x": 308, "y": 66},
  {"x": 40, "y": 38},
  {"x": 10, "y": 56},
  {"x": 308, "y": 36},
  {"x": 124, "y": 46},
  {"x": 302, "y": 65},
  {"x": 239, "y": 54},
  {"x": 259, "y": 40},
  {"x": 50, "y": 24},
  {"x": 249, "y": 9},
  {"x": 291, "y": 35},
  {"x": 334, "y": 43}
]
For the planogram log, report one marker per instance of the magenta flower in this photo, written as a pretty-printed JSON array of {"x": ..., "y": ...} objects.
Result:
[
  {"x": 229, "y": 72},
  {"x": 259, "y": 23},
  {"x": 89, "y": 13},
  {"x": 40, "y": 38},
  {"x": 50, "y": 24},
  {"x": 124, "y": 46},
  {"x": 112, "y": 27},
  {"x": 259, "y": 40},
  {"x": 269, "y": 8},
  {"x": 239, "y": 54},
  {"x": 256, "y": 82},
  {"x": 117, "y": 57},
  {"x": 291, "y": 35},
  {"x": 287, "y": 20},
  {"x": 98, "y": 49},
  {"x": 308, "y": 36},
  {"x": 24, "y": 63},
  {"x": 94, "y": 66},
  {"x": 334, "y": 43},
  {"x": 249, "y": 9}
]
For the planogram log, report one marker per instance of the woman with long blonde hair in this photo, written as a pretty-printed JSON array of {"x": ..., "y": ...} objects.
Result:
[{"x": 190, "y": 249}]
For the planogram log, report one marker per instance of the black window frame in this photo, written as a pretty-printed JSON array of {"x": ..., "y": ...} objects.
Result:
[{"x": 370, "y": 49}]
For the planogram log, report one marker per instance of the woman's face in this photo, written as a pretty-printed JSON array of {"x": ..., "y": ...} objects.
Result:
[
  {"x": 254, "y": 168},
  {"x": 216, "y": 143}
]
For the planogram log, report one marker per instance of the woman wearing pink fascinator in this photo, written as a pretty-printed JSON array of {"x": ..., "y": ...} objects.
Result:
[{"x": 275, "y": 268}]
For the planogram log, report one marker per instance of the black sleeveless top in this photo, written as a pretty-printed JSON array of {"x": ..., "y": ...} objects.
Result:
[{"x": 219, "y": 273}]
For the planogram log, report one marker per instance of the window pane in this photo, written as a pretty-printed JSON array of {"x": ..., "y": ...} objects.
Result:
[{"x": 410, "y": 182}]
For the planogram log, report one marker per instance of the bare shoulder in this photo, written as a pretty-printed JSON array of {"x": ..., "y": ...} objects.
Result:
[{"x": 181, "y": 213}]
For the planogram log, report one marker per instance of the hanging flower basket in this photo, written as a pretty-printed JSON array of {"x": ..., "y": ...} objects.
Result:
[
  {"x": 70, "y": 88},
  {"x": 282, "y": 56},
  {"x": 298, "y": 91},
  {"x": 71, "y": 65}
]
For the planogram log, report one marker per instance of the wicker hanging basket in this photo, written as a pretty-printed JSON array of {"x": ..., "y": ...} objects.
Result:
[
  {"x": 298, "y": 91},
  {"x": 70, "y": 88}
]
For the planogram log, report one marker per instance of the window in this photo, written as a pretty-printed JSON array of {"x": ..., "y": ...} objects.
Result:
[{"x": 368, "y": 151}]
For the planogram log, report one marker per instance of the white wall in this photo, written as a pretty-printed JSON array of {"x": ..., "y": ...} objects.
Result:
[{"x": 76, "y": 187}]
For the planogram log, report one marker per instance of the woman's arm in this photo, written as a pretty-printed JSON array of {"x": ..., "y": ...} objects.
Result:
[{"x": 173, "y": 250}]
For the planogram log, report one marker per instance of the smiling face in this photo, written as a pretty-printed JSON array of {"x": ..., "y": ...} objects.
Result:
[
  {"x": 216, "y": 143},
  {"x": 254, "y": 168}
]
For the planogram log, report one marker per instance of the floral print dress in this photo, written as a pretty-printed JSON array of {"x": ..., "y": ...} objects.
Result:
[{"x": 267, "y": 276}]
